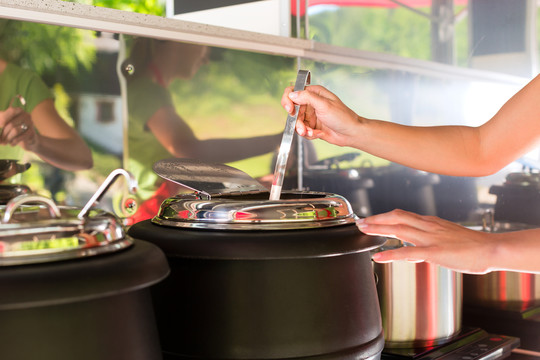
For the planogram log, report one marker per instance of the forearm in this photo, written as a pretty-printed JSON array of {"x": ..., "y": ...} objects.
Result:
[
  {"x": 447, "y": 150},
  {"x": 228, "y": 150},
  {"x": 517, "y": 251},
  {"x": 66, "y": 154}
]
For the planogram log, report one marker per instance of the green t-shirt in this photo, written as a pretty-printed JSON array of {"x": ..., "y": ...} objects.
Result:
[
  {"x": 18, "y": 81},
  {"x": 145, "y": 97}
]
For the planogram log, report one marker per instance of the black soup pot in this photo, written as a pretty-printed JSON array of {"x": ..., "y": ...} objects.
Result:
[
  {"x": 258, "y": 279},
  {"x": 518, "y": 199},
  {"x": 73, "y": 285}
]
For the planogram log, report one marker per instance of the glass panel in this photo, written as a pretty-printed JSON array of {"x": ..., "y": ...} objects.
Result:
[
  {"x": 391, "y": 29},
  {"x": 374, "y": 185},
  {"x": 192, "y": 101},
  {"x": 467, "y": 33},
  {"x": 223, "y": 105},
  {"x": 72, "y": 115}
]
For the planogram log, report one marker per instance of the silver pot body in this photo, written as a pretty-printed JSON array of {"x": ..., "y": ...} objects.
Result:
[
  {"x": 502, "y": 290},
  {"x": 421, "y": 303}
]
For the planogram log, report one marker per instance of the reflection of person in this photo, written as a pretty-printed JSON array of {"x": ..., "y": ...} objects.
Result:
[
  {"x": 30, "y": 122},
  {"x": 449, "y": 150},
  {"x": 156, "y": 131}
]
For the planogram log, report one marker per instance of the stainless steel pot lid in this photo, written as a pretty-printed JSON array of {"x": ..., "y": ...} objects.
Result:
[
  {"x": 228, "y": 198},
  {"x": 253, "y": 211},
  {"x": 206, "y": 178},
  {"x": 9, "y": 191},
  {"x": 35, "y": 230}
]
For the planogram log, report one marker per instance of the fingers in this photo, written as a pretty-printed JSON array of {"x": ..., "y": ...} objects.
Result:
[
  {"x": 286, "y": 102},
  {"x": 411, "y": 254},
  {"x": 396, "y": 223},
  {"x": 18, "y": 128},
  {"x": 313, "y": 95},
  {"x": 396, "y": 216},
  {"x": 402, "y": 232}
]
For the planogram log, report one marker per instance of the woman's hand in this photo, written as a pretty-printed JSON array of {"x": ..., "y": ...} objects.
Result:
[
  {"x": 17, "y": 128},
  {"x": 436, "y": 241},
  {"x": 322, "y": 115}
]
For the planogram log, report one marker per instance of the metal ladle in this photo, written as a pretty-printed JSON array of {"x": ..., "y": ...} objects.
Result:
[{"x": 303, "y": 78}]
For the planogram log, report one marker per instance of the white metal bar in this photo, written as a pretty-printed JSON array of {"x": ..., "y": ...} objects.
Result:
[{"x": 82, "y": 16}]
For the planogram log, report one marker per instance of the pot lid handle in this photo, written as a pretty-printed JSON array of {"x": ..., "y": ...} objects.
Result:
[
  {"x": 132, "y": 185},
  {"x": 17, "y": 201}
]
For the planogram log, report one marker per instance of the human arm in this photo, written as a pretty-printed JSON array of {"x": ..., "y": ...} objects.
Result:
[
  {"x": 453, "y": 246},
  {"x": 47, "y": 135},
  {"x": 449, "y": 150},
  {"x": 179, "y": 139}
]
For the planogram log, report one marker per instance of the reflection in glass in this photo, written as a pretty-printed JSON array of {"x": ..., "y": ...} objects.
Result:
[
  {"x": 76, "y": 89},
  {"x": 184, "y": 102},
  {"x": 33, "y": 129}
]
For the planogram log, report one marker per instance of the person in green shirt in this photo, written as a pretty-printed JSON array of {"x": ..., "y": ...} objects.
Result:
[
  {"x": 29, "y": 122},
  {"x": 156, "y": 131}
]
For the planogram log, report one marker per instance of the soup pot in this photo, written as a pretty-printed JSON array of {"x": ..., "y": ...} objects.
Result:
[
  {"x": 253, "y": 278},
  {"x": 400, "y": 187},
  {"x": 518, "y": 199},
  {"x": 421, "y": 303},
  {"x": 73, "y": 285}
]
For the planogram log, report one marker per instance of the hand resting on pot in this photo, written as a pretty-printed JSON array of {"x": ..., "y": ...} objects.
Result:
[{"x": 453, "y": 246}]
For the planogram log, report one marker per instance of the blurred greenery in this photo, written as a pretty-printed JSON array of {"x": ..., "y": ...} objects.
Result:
[
  {"x": 152, "y": 7},
  {"x": 398, "y": 31},
  {"x": 44, "y": 48},
  {"x": 237, "y": 95}
]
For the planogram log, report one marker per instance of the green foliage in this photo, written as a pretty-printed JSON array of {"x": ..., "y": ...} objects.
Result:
[
  {"x": 398, "y": 31},
  {"x": 44, "y": 48},
  {"x": 152, "y": 7}
]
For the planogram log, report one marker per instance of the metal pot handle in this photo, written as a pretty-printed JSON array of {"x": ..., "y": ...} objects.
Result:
[
  {"x": 132, "y": 187},
  {"x": 17, "y": 201}
]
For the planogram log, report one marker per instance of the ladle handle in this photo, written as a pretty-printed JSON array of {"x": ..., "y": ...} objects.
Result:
[{"x": 303, "y": 78}]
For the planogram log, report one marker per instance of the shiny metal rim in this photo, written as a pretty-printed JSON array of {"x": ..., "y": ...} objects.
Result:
[{"x": 64, "y": 254}]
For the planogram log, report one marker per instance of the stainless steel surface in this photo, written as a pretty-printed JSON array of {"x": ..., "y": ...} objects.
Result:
[
  {"x": 303, "y": 78},
  {"x": 8, "y": 168},
  {"x": 421, "y": 303},
  {"x": 17, "y": 202},
  {"x": 253, "y": 211},
  {"x": 44, "y": 232},
  {"x": 132, "y": 187},
  {"x": 502, "y": 290},
  {"x": 35, "y": 230},
  {"x": 206, "y": 178},
  {"x": 9, "y": 191}
]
